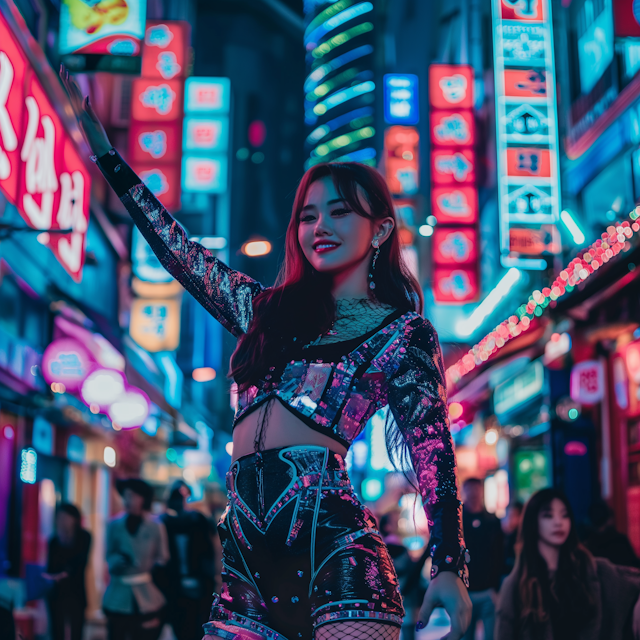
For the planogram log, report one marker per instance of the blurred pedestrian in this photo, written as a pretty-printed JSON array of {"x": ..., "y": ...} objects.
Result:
[
  {"x": 557, "y": 590},
  {"x": 483, "y": 535},
  {"x": 413, "y": 586},
  {"x": 605, "y": 541},
  {"x": 510, "y": 525},
  {"x": 136, "y": 543},
  {"x": 67, "y": 559},
  {"x": 190, "y": 570}
]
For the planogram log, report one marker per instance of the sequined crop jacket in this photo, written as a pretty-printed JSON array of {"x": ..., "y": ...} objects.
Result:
[{"x": 400, "y": 366}]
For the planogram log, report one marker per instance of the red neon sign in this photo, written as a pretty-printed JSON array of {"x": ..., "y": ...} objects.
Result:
[
  {"x": 163, "y": 180},
  {"x": 453, "y": 128},
  {"x": 453, "y": 166},
  {"x": 40, "y": 170},
  {"x": 455, "y": 205},
  {"x": 450, "y": 86},
  {"x": 401, "y": 158},
  {"x": 165, "y": 52},
  {"x": 455, "y": 246},
  {"x": 528, "y": 161},
  {"x": 156, "y": 100},
  {"x": 457, "y": 285},
  {"x": 523, "y": 10},
  {"x": 155, "y": 142},
  {"x": 529, "y": 83}
]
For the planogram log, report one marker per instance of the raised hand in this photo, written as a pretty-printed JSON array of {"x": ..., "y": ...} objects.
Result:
[{"x": 89, "y": 123}]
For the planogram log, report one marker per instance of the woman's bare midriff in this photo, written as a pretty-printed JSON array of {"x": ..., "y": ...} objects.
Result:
[{"x": 283, "y": 429}]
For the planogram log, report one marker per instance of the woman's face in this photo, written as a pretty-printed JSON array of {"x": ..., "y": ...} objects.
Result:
[
  {"x": 554, "y": 524},
  {"x": 332, "y": 236}
]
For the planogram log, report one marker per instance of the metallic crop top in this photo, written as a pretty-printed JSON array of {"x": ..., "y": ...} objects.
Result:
[{"x": 399, "y": 366}]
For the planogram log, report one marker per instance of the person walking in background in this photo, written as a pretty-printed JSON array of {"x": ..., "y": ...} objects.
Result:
[
  {"x": 67, "y": 559},
  {"x": 510, "y": 526},
  {"x": 136, "y": 543},
  {"x": 557, "y": 590},
  {"x": 605, "y": 541},
  {"x": 483, "y": 535},
  {"x": 412, "y": 584},
  {"x": 191, "y": 567}
]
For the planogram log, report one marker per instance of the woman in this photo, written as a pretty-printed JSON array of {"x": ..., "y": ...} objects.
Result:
[
  {"x": 136, "y": 546},
  {"x": 338, "y": 339},
  {"x": 66, "y": 563},
  {"x": 557, "y": 590}
]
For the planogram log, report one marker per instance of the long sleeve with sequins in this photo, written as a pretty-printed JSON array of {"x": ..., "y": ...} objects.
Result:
[
  {"x": 227, "y": 294},
  {"x": 417, "y": 399}
]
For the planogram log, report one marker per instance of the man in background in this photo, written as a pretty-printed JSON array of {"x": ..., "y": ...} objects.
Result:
[
  {"x": 191, "y": 568},
  {"x": 484, "y": 539},
  {"x": 66, "y": 563},
  {"x": 510, "y": 526}
]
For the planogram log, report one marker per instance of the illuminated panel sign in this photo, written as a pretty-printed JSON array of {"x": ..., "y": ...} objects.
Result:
[
  {"x": 155, "y": 323},
  {"x": 454, "y": 196},
  {"x": 401, "y": 99},
  {"x": 455, "y": 246},
  {"x": 527, "y": 139},
  {"x": 156, "y": 100},
  {"x": 207, "y": 95},
  {"x": 206, "y": 135},
  {"x": 401, "y": 160},
  {"x": 450, "y": 86},
  {"x": 204, "y": 175},
  {"x": 455, "y": 205},
  {"x": 40, "y": 170},
  {"x": 455, "y": 285},
  {"x": 165, "y": 52},
  {"x": 103, "y": 35},
  {"x": 153, "y": 141},
  {"x": 163, "y": 180},
  {"x": 209, "y": 135},
  {"x": 453, "y": 128}
]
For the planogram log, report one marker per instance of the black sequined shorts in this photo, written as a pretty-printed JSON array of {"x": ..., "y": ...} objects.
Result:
[{"x": 299, "y": 550}]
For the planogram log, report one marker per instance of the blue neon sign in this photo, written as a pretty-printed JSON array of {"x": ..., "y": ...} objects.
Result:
[{"x": 401, "y": 99}]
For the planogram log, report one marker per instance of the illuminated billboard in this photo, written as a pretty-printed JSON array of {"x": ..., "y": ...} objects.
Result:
[
  {"x": 205, "y": 139},
  {"x": 41, "y": 172},
  {"x": 102, "y": 36},
  {"x": 526, "y": 130},
  {"x": 401, "y": 99},
  {"x": 454, "y": 195}
]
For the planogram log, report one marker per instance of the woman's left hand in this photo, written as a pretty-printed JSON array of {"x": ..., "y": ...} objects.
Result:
[{"x": 448, "y": 591}]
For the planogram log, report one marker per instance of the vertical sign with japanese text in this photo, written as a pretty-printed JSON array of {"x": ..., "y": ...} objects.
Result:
[
  {"x": 526, "y": 129},
  {"x": 41, "y": 172}
]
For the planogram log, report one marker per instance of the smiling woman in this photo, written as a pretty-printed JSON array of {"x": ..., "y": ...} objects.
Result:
[{"x": 338, "y": 338}]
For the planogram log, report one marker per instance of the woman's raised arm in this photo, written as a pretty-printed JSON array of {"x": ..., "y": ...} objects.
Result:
[
  {"x": 227, "y": 294},
  {"x": 418, "y": 401}
]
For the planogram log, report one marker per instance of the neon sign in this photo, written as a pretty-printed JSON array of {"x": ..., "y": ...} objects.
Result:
[
  {"x": 102, "y": 35},
  {"x": 526, "y": 119},
  {"x": 165, "y": 49},
  {"x": 401, "y": 99},
  {"x": 454, "y": 196},
  {"x": 40, "y": 170}
]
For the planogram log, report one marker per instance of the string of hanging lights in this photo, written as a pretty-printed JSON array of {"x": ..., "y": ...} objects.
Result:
[{"x": 610, "y": 244}]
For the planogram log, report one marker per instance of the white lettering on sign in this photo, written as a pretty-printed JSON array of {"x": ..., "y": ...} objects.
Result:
[
  {"x": 7, "y": 132},
  {"x": 40, "y": 172},
  {"x": 71, "y": 216}
]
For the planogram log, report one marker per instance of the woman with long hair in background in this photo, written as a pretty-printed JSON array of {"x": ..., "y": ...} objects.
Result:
[
  {"x": 338, "y": 338},
  {"x": 557, "y": 589}
]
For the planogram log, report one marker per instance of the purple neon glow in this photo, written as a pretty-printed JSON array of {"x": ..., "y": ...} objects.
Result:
[
  {"x": 67, "y": 361},
  {"x": 103, "y": 387}
]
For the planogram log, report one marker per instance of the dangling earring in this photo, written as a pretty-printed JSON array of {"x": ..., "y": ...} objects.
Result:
[{"x": 376, "y": 245}]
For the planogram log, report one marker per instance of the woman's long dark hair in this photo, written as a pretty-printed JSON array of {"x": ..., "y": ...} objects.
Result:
[
  {"x": 569, "y": 588},
  {"x": 300, "y": 306}
]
